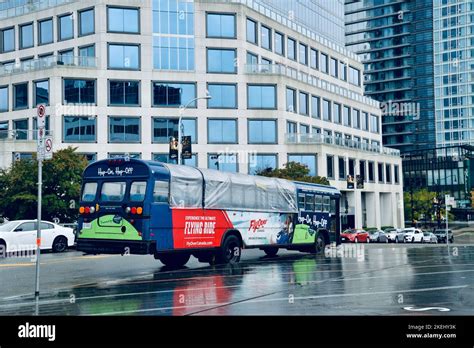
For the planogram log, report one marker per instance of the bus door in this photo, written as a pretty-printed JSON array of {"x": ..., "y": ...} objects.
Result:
[{"x": 161, "y": 224}]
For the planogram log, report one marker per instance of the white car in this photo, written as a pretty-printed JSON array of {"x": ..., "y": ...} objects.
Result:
[
  {"x": 20, "y": 235},
  {"x": 413, "y": 235},
  {"x": 395, "y": 235},
  {"x": 429, "y": 237}
]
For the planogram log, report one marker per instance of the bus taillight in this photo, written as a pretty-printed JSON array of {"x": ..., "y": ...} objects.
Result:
[
  {"x": 81, "y": 210},
  {"x": 139, "y": 210},
  {"x": 134, "y": 210}
]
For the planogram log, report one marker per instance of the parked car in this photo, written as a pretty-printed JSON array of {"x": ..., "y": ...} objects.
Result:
[
  {"x": 429, "y": 237},
  {"x": 20, "y": 235},
  {"x": 440, "y": 233},
  {"x": 355, "y": 236},
  {"x": 395, "y": 235},
  {"x": 413, "y": 235},
  {"x": 378, "y": 236}
]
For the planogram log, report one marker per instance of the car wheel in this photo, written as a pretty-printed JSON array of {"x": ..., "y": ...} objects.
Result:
[
  {"x": 3, "y": 249},
  {"x": 60, "y": 244},
  {"x": 378, "y": 240},
  {"x": 230, "y": 250},
  {"x": 174, "y": 260},
  {"x": 386, "y": 240},
  {"x": 396, "y": 239},
  {"x": 271, "y": 251}
]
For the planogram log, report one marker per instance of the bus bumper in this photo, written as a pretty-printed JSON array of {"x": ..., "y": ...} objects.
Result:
[{"x": 107, "y": 246}]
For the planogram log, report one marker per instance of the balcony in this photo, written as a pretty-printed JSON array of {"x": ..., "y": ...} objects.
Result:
[
  {"x": 295, "y": 74},
  {"x": 25, "y": 7},
  {"x": 321, "y": 139},
  {"x": 49, "y": 62}
]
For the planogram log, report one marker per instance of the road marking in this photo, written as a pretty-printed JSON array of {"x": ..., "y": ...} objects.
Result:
[
  {"x": 440, "y": 309},
  {"x": 78, "y": 258}
]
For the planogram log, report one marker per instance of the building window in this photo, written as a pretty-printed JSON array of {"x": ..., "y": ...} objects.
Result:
[
  {"x": 380, "y": 172},
  {"x": 3, "y": 98},
  {"x": 66, "y": 57},
  {"x": 313, "y": 58},
  {"x": 323, "y": 60},
  {"x": 342, "y": 71},
  {"x": 8, "y": 39},
  {"x": 221, "y": 131},
  {"x": 26, "y": 35},
  {"x": 362, "y": 169},
  {"x": 221, "y": 25},
  {"x": 266, "y": 61},
  {"x": 303, "y": 54},
  {"x": 279, "y": 43},
  {"x": 79, "y": 91},
  {"x": 307, "y": 160},
  {"x": 124, "y": 129},
  {"x": 374, "y": 123},
  {"x": 262, "y": 132},
  {"x": 333, "y": 67},
  {"x": 304, "y": 129},
  {"x": 3, "y": 129},
  {"x": 174, "y": 94},
  {"x": 291, "y": 49},
  {"x": 41, "y": 92},
  {"x": 291, "y": 127},
  {"x": 365, "y": 121},
  {"x": 221, "y": 61},
  {"x": 165, "y": 158},
  {"x": 315, "y": 107},
  {"x": 252, "y": 59},
  {"x": 126, "y": 57},
  {"x": 347, "y": 116},
  {"x": 21, "y": 129},
  {"x": 342, "y": 168},
  {"x": 356, "y": 118},
  {"x": 86, "y": 22},
  {"x": 371, "y": 172},
  {"x": 396, "y": 174},
  {"x": 336, "y": 113},
  {"x": 258, "y": 163},
  {"x": 86, "y": 55},
  {"x": 90, "y": 157},
  {"x": 388, "y": 173},
  {"x": 79, "y": 129},
  {"x": 291, "y": 100},
  {"x": 354, "y": 76},
  {"x": 326, "y": 110},
  {"x": 330, "y": 166},
  {"x": 20, "y": 96},
  {"x": 165, "y": 128},
  {"x": 266, "y": 34},
  {"x": 252, "y": 31},
  {"x": 123, "y": 20},
  {"x": 223, "y": 162},
  {"x": 45, "y": 31},
  {"x": 124, "y": 93},
  {"x": 224, "y": 96},
  {"x": 303, "y": 103},
  {"x": 261, "y": 96},
  {"x": 65, "y": 27}
]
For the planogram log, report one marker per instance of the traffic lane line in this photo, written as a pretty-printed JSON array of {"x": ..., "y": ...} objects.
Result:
[{"x": 52, "y": 262}]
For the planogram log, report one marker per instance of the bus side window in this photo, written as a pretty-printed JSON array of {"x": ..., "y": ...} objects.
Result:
[
  {"x": 319, "y": 203},
  {"x": 326, "y": 204},
  {"x": 332, "y": 209},
  {"x": 301, "y": 201},
  {"x": 161, "y": 192},
  {"x": 309, "y": 205}
]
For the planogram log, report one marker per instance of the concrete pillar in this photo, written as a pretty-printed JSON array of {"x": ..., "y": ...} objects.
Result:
[
  {"x": 377, "y": 209},
  {"x": 370, "y": 209},
  {"x": 395, "y": 213},
  {"x": 358, "y": 208}
]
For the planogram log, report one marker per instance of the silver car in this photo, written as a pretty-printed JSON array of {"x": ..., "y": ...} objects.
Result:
[
  {"x": 429, "y": 237},
  {"x": 378, "y": 236},
  {"x": 395, "y": 235}
]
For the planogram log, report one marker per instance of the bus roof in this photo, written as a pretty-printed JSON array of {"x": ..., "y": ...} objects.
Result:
[{"x": 306, "y": 186}]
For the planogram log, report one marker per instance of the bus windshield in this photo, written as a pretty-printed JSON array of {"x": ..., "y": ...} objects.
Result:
[{"x": 113, "y": 191}]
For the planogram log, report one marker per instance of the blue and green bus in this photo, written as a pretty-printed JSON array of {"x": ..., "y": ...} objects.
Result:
[{"x": 131, "y": 206}]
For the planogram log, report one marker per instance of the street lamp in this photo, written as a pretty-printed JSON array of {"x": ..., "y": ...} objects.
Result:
[{"x": 180, "y": 122}]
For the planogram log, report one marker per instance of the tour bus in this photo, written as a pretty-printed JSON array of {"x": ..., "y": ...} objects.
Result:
[{"x": 131, "y": 206}]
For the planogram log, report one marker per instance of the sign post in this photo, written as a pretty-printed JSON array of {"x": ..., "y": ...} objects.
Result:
[
  {"x": 448, "y": 200},
  {"x": 40, "y": 155}
]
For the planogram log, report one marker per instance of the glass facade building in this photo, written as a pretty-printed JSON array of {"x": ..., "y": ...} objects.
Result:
[{"x": 395, "y": 42}]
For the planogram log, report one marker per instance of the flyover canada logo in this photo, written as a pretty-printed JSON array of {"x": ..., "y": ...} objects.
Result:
[{"x": 257, "y": 224}]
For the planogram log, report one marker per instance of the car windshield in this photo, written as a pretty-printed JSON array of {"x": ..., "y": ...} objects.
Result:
[
  {"x": 349, "y": 231},
  {"x": 426, "y": 234},
  {"x": 8, "y": 226}
]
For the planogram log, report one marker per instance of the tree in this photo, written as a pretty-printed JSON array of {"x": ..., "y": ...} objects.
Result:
[
  {"x": 422, "y": 203},
  {"x": 62, "y": 177},
  {"x": 293, "y": 171}
]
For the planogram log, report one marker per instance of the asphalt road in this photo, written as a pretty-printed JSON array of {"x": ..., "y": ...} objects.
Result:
[{"x": 362, "y": 279}]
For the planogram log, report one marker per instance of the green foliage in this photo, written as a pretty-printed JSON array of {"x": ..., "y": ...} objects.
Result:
[
  {"x": 294, "y": 171},
  {"x": 62, "y": 177},
  {"x": 422, "y": 203}
]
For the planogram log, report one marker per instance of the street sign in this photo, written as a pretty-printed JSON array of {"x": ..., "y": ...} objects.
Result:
[
  {"x": 48, "y": 147},
  {"x": 41, "y": 110}
]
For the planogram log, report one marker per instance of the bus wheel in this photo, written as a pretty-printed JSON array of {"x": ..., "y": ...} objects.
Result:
[
  {"x": 272, "y": 251},
  {"x": 230, "y": 250},
  {"x": 173, "y": 259}
]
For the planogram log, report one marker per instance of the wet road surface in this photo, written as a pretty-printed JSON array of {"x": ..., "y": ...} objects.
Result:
[{"x": 374, "y": 279}]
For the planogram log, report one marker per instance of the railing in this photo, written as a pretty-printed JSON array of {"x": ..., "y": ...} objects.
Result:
[
  {"x": 318, "y": 138},
  {"x": 295, "y": 74},
  {"x": 29, "y": 6},
  {"x": 20, "y": 135},
  {"x": 49, "y": 62}
]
